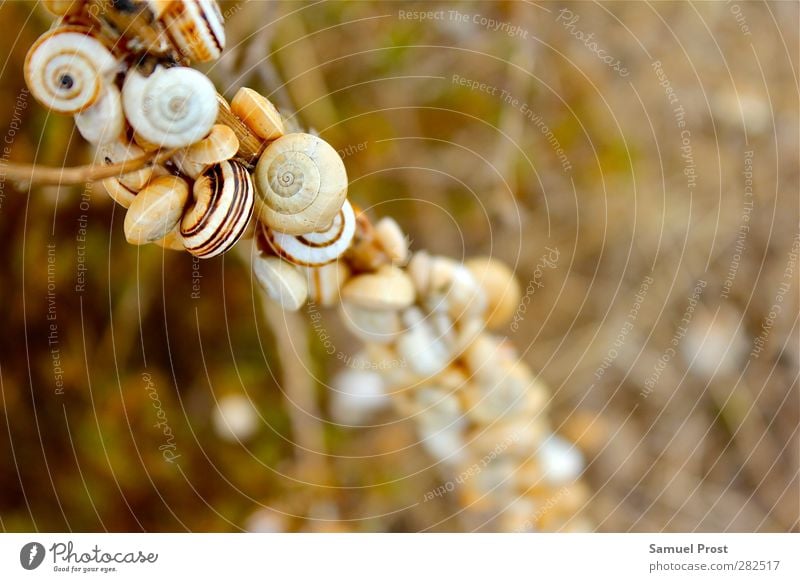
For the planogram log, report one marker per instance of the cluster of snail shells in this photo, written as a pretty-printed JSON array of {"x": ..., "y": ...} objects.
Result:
[{"x": 428, "y": 329}]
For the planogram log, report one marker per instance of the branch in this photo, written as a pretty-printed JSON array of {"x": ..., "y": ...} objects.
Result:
[{"x": 35, "y": 174}]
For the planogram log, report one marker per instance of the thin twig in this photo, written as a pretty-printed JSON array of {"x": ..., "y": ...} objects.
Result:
[{"x": 36, "y": 174}]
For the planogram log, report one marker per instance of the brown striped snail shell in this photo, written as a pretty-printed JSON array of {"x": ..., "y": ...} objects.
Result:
[
  {"x": 223, "y": 205},
  {"x": 315, "y": 249},
  {"x": 195, "y": 27},
  {"x": 173, "y": 107},
  {"x": 325, "y": 282},
  {"x": 104, "y": 121},
  {"x": 301, "y": 182},
  {"x": 66, "y": 68}
]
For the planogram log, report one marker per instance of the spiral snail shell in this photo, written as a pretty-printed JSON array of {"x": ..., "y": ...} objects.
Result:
[
  {"x": 195, "y": 27},
  {"x": 258, "y": 113},
  {"x": 281, "y": 281},
  {"x": 301, "y": 182},
  {"x": 104, "y": 121},
  {"x": 65, "y": 69},
  {"x": 220, "y": 145},
  {"x": 173, "y": 107},
  {"x": 315, "y": 249},
  {"x": 117, "y": 151},
  {"x": 223, "y": 205}
]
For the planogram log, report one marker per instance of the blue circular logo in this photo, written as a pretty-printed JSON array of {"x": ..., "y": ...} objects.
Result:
[{"x": 31, "y": 555}]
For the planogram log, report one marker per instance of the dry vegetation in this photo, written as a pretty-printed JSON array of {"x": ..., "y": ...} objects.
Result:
[{"x": 705, "y": 440}]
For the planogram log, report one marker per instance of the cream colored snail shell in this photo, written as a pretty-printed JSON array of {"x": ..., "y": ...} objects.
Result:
[
  {"x": 114, "y": 152},
  {"x": 173, "y": 107},
  {"x": 325, "y": 282},
  {"x": 220, "y": 145},
  {"x": 66, "y": 68},
  {"x": 156, "y": 210},
  {"x": 301, "y": 182},
  {"x": 195, "y": 27},
  {"x": 388, "y": 288},
  {"x": 119, "y": 193},
  {"x": 63, "y": 7},
  {"x": 258, "y": 113},
  {"x": 104, "y": 121},
  {"x": 223, "y": 205},
  {"x": 281, "y": 281},
  {"x": 315, "y": 249}
]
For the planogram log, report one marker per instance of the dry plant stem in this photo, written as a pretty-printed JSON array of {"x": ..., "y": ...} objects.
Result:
[
  {"x": 48, "y": 175},
  {"x": 291, "y": 341}
]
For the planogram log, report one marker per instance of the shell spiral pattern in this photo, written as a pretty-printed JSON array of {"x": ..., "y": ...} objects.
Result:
[
  {"x": 223, "y": 204},
  {"x": 195, "y": 28},
  {"x": 65, "y": 69},
  {"x": 173, "y": 107},
  {"x": 316, "y": 248},
  {"x": 301, "y": 182}
]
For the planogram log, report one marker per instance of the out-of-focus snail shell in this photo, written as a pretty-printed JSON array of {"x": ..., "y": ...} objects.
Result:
[
  {"x": 223, "y": 205},
  {"x": 195, "y": 27},
  {"x": 392, "y": 240},
  {"x": 63, "y": 7},
  {"x": 302, "y": 184},
  {"x": 502, "y": 290},
  {"x": 104, "y": 121},
  {"x": 325, "y": 282},
  {"x": 173, "y": 241},
  {"x": 220, "y": 145},
  {"x": 172, "y": 108},
  {"x": 372, "y": 325},
  {"x": 388, "y": 288},
  {"x": 66, "y": 68},
  {"x": 258, "y": 113},
  {"x": 118, "y": 151},
  {"x": 315, "y": 249},
  {"x": 156, "y": 210},
  {"x": 421, "y": 347},
  {"x": 281, "y": 281}
]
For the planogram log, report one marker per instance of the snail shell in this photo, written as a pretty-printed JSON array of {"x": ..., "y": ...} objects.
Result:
[
  {"x": 302, "y": 184},
  {"x": 315, "y": 249},
  {"x": 156, "y": 210},
  {"x": 281, "y": 282},
  {"x": 120, "y": 194},
  {"x": 501, "y": 288},
  {"x": 195, "y": 27},
  {"x": 388, "y": 288},
  {"x": 172, "y": 108},
  {"x": 65, "y": 69},
  {"x": 220, "y": 145},
  {"x": 425, "y": 351},
  {"x": 372, "y": 325},
  {"x": 120, "y": 151},
  {"x": 63, "y": 7},
  {"x": 104, "y": 121},
  {"x": 258, "y": 113},
  {"x": 325, "y": 282},
  {"x": 392, "y": 240},
  {"x": 223, "y": 205}
]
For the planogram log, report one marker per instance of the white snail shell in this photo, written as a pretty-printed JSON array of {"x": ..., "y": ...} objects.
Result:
[
  {"x": 66, "y": 67},
  {"x": 156, "y": 210},
  {"x": 223, "y": 205},
  {"x": 195, "y": 27},
  {"x": 371, "y": 325},
  {"x": 392, "y": 240},
  {"x": 315, "y": 249},
  {"x": 104, "y": 121},
  {"x": 172, "y": 108},
  {"x": 302, "y": 184},
  {"x": 281, "y": 281}
]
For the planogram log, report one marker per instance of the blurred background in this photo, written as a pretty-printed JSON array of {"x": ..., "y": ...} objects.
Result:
[{"x": 636, "y": 164}]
